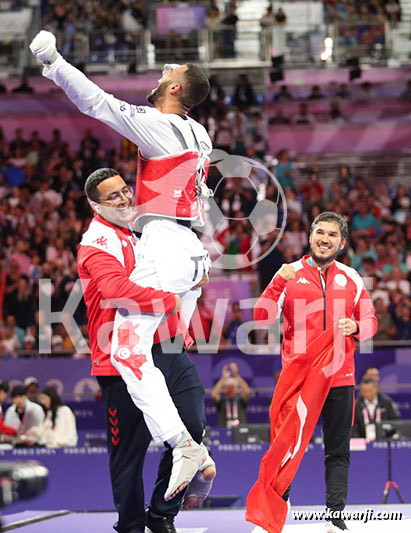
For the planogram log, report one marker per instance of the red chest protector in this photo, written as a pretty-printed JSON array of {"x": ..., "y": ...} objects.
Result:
[{"x": 170, "y": 186}]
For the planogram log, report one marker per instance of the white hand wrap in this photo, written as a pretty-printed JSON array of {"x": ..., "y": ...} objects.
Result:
[{"x": 43, "y": 46}]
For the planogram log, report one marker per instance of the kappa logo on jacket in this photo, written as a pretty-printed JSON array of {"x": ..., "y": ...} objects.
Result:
[{"x": 303, "y": 280}]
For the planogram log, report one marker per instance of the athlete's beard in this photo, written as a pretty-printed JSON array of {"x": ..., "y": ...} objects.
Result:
[
  {"x": 157, "y": 93},
  {"x": 322, "y": 261}
]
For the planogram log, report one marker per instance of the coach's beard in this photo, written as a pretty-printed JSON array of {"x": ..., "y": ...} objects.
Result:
[{"x": 322, "y": 261}]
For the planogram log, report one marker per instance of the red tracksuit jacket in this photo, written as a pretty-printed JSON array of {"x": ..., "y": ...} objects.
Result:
[{"x": 310, "y": 306}]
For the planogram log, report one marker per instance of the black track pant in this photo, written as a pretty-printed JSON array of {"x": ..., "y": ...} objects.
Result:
[
  {"x": 337, "y": 416},
  {"x": 128, "y": 438}
]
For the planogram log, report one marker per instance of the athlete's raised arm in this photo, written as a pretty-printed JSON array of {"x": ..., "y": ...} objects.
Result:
[{"x": 136, "y": 123}]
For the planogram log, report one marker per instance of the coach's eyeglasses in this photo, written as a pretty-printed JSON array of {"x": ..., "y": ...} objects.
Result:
[{"x": 115, "y": 198}]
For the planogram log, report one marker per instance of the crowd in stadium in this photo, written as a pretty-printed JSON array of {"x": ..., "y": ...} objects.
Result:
[
  {"x": 347, "y": 11},
  {"x": 43, "y": 214}
]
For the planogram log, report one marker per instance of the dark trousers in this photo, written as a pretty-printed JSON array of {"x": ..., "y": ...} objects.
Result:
[
  {"x": 337, "y": 415},
  {"x": 128, "y": 438}
]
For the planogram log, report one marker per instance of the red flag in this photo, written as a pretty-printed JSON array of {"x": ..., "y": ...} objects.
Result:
[{"x": 297, "y": 403}]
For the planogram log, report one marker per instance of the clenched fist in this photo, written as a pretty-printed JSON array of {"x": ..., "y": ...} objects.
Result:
[
  {"x": 287, "y": 272},
  {"x": 43, "y": 46}
]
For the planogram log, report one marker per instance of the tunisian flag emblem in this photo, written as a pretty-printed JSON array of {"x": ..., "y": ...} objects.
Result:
[
  {"x": 128, "y": 340},
  {"x": 297, "y": 403}
]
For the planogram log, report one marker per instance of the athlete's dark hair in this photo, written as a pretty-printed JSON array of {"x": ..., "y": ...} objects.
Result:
[
  {"x": 329, "y": 216},
  {"x": 94, "y": 180},
  {"x": 195, "y": 86},
  {"x": 55, "y": 403}
]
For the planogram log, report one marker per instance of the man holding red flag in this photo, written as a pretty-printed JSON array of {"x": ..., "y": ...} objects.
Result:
[{"x": 324, "y": 303}]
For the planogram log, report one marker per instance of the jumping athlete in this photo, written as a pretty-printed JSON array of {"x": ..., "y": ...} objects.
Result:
[{"x": 173, "y": 159}]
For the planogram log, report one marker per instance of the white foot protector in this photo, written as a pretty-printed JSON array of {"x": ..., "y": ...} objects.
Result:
[
  {"x": 187, "y": 457},
  {"x": 200, "y": 486}
]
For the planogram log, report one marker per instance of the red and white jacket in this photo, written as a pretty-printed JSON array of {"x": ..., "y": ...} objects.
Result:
[
  {"x": 311, "y": 302},
  {"x": 106, "y": 258}
]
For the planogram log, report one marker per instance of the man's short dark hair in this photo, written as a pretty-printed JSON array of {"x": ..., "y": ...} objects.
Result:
[
  {"x": 94, "y": 180},
  {"x": 195, "y": 86},
  {"x": 330, "y": 216},
  {"x": 4, "y": 386},
  {"x": 18, "y": 390}
]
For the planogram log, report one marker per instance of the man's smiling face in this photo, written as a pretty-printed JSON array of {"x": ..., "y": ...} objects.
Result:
[{"x": 325, "y": 242}]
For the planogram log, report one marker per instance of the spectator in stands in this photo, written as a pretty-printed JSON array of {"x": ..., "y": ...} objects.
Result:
[
  {"x": 362, "y": 251},
  {"x": 237, "y": 246},
  {"x": 272, "y": 261},
  {"x": 316, "y": 93},
  {"x": 364, "y": 223},
  {"x": 284, "y": 169},
  {"x": 18, "y": 141},
  {"x": 222, "y": 130},
  {"x": 229, "y": 32},
  {"x": 230, "y": 329},
  {"x": 23, "y": 414},
  {"x": 283, "y": 94},
  {"x": 29, "y": 346},
  {"x": 406, "y": 95},
  {"x": 371, "y": 407},
  {"x": 21, "y": 304},
  {"x": 372, "y": 373},
  {"x": 243, "y": 92},
  {"x": 213, "y": 25},
  {"x": 295, "y": 238},
  {"x": 303, "y": 117},
  {"x": 24, "y": 86},
  {"x": 397, "y": 278},
  {"x": 266, "y": 23},
  {"x": 257, "y": 135},
  {"x": 366, "y": 91},
  {"x": 230, "y": 395},
  {"x": 336, "y": 115},
  {"x": 8, "y": 342},
  {"x": 393, "y": 11},
  {"x": 343, "y": 92},
  {"x": 3, "y": 88},
  {"x": 279, "y": 119},
  {"x": 238, "y": 121},
  {"x": 402, "y": 320},
  {"x": 32, "y": 388},
  {"x": 386, "y": 327},
  {"x": 216, "y": 92},
  {"x": 58, "y": 430},
  {"x": 279, "y": 38},
  {"x": 13, "y": 329},
  {"x": 4, "y": 428}
]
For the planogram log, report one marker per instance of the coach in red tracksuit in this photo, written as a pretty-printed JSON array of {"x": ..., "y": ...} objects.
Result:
[
  {"x": 106, "y": 257},
  {"x": 314, "y": 293}
]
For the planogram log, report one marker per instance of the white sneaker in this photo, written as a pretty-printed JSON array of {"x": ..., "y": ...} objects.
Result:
[
  {"x": 187, "y": 457},
  {"x": 331, "y": 527}
]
